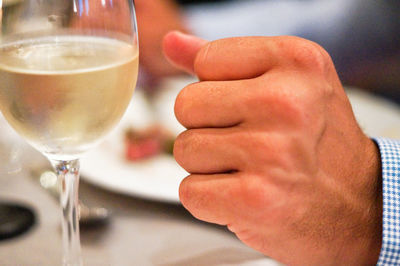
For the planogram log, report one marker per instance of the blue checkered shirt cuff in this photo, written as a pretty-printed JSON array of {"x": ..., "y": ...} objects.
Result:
[{"x": 390, "y": 157}]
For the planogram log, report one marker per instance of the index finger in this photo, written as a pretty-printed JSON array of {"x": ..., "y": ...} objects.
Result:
[
  {"x": 236, "y": 58},
  {"x": 225, "y": 59},
  {"x": 243, "y": 57}
]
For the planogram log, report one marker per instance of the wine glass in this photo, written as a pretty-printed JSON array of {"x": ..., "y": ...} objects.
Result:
[{"x": 68, "y": 69}]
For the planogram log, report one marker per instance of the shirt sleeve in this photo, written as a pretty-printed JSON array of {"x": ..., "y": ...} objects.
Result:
[{"x": 390, "y": 157}]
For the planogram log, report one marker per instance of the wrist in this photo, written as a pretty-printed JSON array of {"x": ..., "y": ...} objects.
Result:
[
  {"x": 371, "y": 246},
  {"x": 362, "y": 237}
]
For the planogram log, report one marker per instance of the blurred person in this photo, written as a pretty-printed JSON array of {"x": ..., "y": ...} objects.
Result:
[
  {"x": 155, "y": 18},
  {"x": 362, "y": 36},
  {"x": 275, "y": 153}
]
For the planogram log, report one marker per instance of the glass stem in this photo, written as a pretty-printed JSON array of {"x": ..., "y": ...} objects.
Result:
[{"x": 68, "y": 174}]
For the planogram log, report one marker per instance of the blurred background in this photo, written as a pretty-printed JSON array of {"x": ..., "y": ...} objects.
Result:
[
  {"x": 362, "y": 36},
  {"x": 133, "y": 176}
]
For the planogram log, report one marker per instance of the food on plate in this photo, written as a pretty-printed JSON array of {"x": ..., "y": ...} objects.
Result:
[{"x": 144, "y": 144}]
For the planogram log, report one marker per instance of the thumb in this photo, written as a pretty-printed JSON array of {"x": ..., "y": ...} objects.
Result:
[{"x": 181, "y": 49}]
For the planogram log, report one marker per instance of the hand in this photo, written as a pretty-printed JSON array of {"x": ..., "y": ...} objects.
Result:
[{"x": 274, "y": 151}]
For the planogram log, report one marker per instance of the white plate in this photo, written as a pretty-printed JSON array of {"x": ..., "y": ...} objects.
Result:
[{"x": 159, "y": 178}]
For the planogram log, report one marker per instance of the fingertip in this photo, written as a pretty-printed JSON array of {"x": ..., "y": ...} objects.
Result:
[
  {"x": 181, "y": 49},
  {"x": 169, "y": 39}
]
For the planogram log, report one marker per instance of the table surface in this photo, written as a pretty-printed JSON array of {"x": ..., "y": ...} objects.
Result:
[{"x": 140, "y": 232}]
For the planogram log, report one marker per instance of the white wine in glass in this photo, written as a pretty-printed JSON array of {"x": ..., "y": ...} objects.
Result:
[{"x": 68, "y": 69}]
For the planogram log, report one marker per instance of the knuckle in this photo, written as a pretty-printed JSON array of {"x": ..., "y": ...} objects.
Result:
[
  {"x": 308, "y": 54},
  {"x": 294, "y": 109},
  {"x": 253, "y": 192},
  {"x": 273, "y": 151},
  {"x": 202, "y": 58},
  {"x": 180, "y": 147},
  {"x": 263, "y": 151},
  {"x": 195, "y": 200},
  {"x": 281, "y": 102},
  {"x": 290, "y": 108},
  {"x": 186, "y": 146},
  {"x": 184, "y": 191},
  {"x": 181, "y": 106}
]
